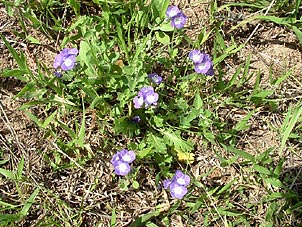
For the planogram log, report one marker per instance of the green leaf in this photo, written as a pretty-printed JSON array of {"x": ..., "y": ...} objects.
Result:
[
  {"x": 175, "y": 139},
  {"x": 113, "y": 218},
  {"x": 20, "y": 169},
  {"x": 33, "y": 40},
  {"x": 135, "y": 184},
  {"x": 162, "y": 37},
  {"x": 49, "y": 119},
  {"x": 20, "y": 74},
  {"x": 145, "y": 152},
  {"x": 290, "y": 126},
  {"x": 29, "y": 202},
  {"x": 197, "y": 104},
  {"x": 186, "y": 120},
  {"x": 33, "y": 118},
  {"x": 81, "y": 135},
  {"x": 275, "y": 182},
  {"x": 241, "y": 153},
  {"x": 224, "y": 212},
  {"x": 157, "y": 142},
  {"x": 70, "y": 132},
  {"x": 20, "y": 59},
  {"x": 262, "y": 170},
  {"x": 63, "y": 101},
  {"x": 166, "y": 27},
  {"x": 9, "y": 218},
  {"x": 243, "y": 123},
  {"x": 8, "y": 174}
]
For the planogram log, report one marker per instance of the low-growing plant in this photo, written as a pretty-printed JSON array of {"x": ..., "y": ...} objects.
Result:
[{"x": 132, "y": 71}]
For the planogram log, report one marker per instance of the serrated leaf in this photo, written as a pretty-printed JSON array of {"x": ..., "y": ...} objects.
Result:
[
  {"x": 156, "y": 142},
  {"x": 175, "y": 140}
]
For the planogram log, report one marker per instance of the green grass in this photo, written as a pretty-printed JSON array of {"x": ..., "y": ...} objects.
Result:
[{"x": 201, "y": 124}]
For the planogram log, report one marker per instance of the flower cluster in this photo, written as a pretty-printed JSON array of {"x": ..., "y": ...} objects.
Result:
[
  {"x": 202, "y": 62},
  {"x": 121, "y": 162},
  {"x": 177, "y": 185},
  {"x": 178, "y": 19},
  {"x": 146, "y": 96},
  {"x": 66, "y": 59}
]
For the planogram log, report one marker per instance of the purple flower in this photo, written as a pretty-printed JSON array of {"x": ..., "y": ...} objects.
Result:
[
  {"x": 177, "y": 191},
  {"x": 178, "y": 19},
  {"x": 121, "y": 168},
  {"x": 172, "y": 11},
  {"x": 58, "y": 74},
  {"x": 181, "y": 178},
  {"x": 136, "y": 119},
  {"x": 202, "y": 62},
  {"x": 151, "y": 98},
  {"x": 127, "y": 156},
  {"x": 167, "y": 184},
  {"x": 66, "y": 59},
  {"x": 203, "y": 67},
  {"x": 138, "y": 101},
  {"x": 196, "y": 56},
  {"x": 177, "y": 185},
  {"x": 145, "y": 96},
  {"x": 155, "y": 78},
  {"x": 121, "y": 161}
]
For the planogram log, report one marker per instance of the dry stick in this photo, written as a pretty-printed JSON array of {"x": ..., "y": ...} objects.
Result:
[{"x": 254, "y": 31}]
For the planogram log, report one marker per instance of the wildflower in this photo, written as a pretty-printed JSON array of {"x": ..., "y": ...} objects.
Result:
[
  {"x": 145, "y": 96},
  {"x": 58, "y": 74},
  {"x": 167, "y": 184},
  {"x": 196, "y": 56},
  {"x": 66, "y": 59},
  {"x": 177, "y": 185},
  {"x": 178, "y": 19},
  {"x": 136, "y": 119},
  {"x": 177, "y": 191},
  {"x": 202, "y": 62},
  {"x": 181, "y": 178},
  {"x": 172, "y": 11},
  {"x": 121, "y": 161},
  {"x": 155, "y": 78}
]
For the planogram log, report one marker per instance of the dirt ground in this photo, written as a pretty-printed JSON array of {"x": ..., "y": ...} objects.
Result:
[{"x": 274, "y": 49}]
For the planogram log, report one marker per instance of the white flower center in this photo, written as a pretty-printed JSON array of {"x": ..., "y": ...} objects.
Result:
[
  {"x": 201, "y": 65},
  {"x": 181, "y": 181},
  {"x": 123, "y": 167},
  {"x": 196, "y": 57},
  {"x": 68, "y": 62},
  {"x": 127, "y": 158},
  {"x": 150, "y": 98},
  {"x": 178, "y": 190}
]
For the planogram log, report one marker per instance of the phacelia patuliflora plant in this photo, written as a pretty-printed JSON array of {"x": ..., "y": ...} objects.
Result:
[{"x": 137, "y": 100}]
